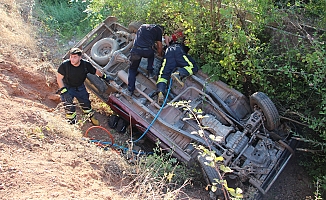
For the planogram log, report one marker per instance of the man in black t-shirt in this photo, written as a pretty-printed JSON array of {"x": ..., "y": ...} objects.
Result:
[
  {"x": 70, "y": 78},
  {"x": 146, "y": 37}
]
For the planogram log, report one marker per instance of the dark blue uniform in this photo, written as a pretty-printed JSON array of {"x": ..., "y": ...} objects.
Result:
[
  {"x": 146, "y": 37},
  {"x": 175, "y": 57}
]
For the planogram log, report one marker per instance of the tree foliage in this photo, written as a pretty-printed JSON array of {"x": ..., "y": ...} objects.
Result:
[
  {"x": 65, "y": 18},
  {"x": 252, "y": 45}
]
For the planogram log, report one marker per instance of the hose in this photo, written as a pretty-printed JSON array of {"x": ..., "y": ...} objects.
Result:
[
  {"x": 158, "y": 113},
  {"x": 124, "y": 149},
  {"x": 110, "y": 144}
]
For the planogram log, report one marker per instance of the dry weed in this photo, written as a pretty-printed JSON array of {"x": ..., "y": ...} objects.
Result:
[
  {"x": 16, "y": 37},
  {"x": 146, "y": 186},
  {"x": 47, "y": 69}
]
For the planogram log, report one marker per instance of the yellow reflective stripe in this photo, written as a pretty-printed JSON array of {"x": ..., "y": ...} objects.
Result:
[
  {"x": 71, "y": 116},
  {"x": 159, "y": 79},
  {"x": 163, "y": 65},
  {"x": 190, "y": 67},
  {"x": 87, "y": 111},
  {"x": 64, "y": 90}
]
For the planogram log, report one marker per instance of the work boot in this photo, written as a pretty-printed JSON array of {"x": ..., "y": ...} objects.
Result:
[
  {"x": 160, "y": 98},
  {"x": 71, "y": 118},
  {"x": 150, "y": 74},
  {"x": 94, "y": 121},
  {"x": 72, "y": 121},
  {"x": 176, "y": 76},
  {"x": 128, "y": 92}
]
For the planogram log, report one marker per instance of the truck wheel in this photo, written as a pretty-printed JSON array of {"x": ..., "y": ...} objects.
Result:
[
  {"x": 210, "y": 174},
  {"x": 97, "y": 83},
  {"x": 103, "y": 49},
  {"x": 261, "y": 101},
  {"x": 134, "y": 26},
  {"x": 113, "y": 121},
  {"x": 121, "y": 126}
]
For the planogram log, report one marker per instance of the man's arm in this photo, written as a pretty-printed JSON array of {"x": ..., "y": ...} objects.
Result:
[
  {"x": 167, "y": 40},
  {"x": 60, "y": 80},
  {"x": 99, "y": 73},
  {"x": 159, "y": 48},
  {"x": 104, "y": 76}
]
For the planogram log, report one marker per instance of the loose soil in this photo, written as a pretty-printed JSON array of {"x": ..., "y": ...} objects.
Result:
[{"x": 41, "y": 156}]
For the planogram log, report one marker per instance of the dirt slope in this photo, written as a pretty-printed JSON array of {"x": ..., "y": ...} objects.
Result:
[{"x": 41, "y": 156}]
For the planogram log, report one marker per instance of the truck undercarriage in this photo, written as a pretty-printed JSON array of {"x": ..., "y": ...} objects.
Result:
[{"x": 245, "y": 132}]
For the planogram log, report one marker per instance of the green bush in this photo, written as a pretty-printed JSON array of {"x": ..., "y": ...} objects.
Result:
[
  {"x": 163, "y": 166},
  {"x": 65, "y": 18},
  {"x": 125, "y": 11}
]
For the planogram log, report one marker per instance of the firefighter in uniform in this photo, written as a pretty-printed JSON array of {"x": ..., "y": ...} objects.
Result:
[
  {"x": 176, "y": 62},
  {"x": 70, "y": 78},
  {"x": 146, "y": 37}
]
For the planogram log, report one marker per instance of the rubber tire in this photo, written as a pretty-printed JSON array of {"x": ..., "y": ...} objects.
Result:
[
  {"x": 210, "y": 174},
  {"x": 100, "y": 53},
  {"x": 97, "y": 83},
  {"x": 260, "y": 100},
  {"x": 121, "y": 126},
  {"x": 134, "y": 26},
  {"x": 113, "y": 121}
]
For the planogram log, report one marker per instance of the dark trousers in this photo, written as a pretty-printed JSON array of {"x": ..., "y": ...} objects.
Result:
[
  {"x": 81, "y": 95},
  {"x": 174, "y": 58},
  {"x": 136, "y": 54}
]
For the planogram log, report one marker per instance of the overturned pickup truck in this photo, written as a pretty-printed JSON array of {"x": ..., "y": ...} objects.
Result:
[{"x": 250, "y": 139}]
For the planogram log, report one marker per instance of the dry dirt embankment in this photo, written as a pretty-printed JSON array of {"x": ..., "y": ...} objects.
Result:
[{"x": 41, "y": 156}]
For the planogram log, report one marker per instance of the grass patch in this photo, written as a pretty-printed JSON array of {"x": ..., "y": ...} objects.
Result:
[{"x": 65, "y": 18}]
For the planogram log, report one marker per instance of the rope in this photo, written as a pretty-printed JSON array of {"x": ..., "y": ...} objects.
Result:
[
  {"x": 158, "y": 113},
  {"x": 100, "y": 127}
]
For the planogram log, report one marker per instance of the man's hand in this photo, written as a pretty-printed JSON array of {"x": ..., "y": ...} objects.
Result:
[
  {"x": 107, "y": 78},
  {"x": 65, "y": 95}
]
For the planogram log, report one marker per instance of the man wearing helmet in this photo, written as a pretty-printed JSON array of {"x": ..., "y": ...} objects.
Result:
[{"x": 176, "y": 62}]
